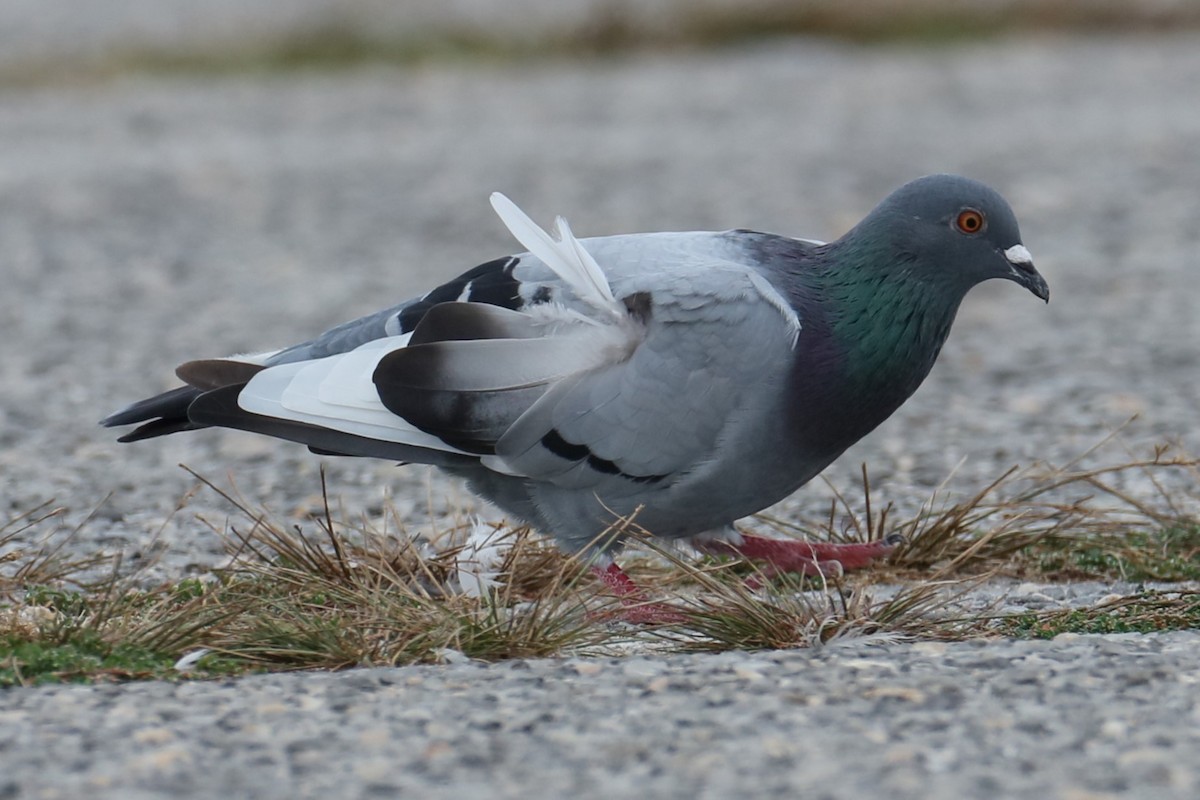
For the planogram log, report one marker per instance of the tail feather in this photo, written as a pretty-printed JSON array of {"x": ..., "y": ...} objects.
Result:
[
  {"x": 167, "y": 413},
  {"x": 213, "y": 373},
  {"x": 158, "y": 427},
  {"x": 163, "y": 414}
]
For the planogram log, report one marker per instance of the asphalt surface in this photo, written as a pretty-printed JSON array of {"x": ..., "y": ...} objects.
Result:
[{"x": 144, "y": 222}]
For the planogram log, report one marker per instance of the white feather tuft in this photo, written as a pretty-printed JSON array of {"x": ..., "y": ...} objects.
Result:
[
  {"x": 189, "y": 661},
  {"x": 448, "y": 655},
  {"x": 566, "y": 257},
  {"x": 477, "y": 565}
]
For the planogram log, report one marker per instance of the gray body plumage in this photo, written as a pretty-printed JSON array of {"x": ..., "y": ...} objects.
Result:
[{"x": 723, "y": 371}]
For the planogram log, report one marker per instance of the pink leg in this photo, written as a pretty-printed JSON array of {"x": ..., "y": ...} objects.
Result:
[
  {"x": 807, "y": 558},
  {"x": 634, "y": 607}
]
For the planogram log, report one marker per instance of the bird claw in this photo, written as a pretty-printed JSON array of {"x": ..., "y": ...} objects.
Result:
[
  {"x": 632, "y": 606},
  {"x": 815, "y": 559}
]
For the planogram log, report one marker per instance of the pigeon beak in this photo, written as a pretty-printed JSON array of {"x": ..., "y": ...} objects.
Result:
[{"x": 1022, "y": 271}]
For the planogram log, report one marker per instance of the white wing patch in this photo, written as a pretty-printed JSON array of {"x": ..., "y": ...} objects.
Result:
[
  {"x": 345, "y": 384},
  {"x": 338, "y": 393}
]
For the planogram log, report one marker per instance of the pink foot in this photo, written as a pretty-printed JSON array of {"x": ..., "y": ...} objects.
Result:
[
  {"x": 806, "y": 558},
  {"x": 634, "y": 606}
]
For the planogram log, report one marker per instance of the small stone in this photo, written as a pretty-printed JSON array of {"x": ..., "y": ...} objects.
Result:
[
  {"x": 166, "y": 759},
  {"x": 748, "y": 673},
  {"x": 1075, "y": 793},
  {"x": 587, "y": 667},
  {"x": 154, "y": 736},
  {"x": 901, "y": 754},
  {"x": 436, "y": 750},
  {"x": 906, "y": 693},
  {"x": 375, "y": 737},
  {"x": 658, "y": 685},
  {"x": 643, "y": 668}
]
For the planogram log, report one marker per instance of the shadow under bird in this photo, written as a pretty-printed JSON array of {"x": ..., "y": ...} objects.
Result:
[{"x": 694, "y": 378}]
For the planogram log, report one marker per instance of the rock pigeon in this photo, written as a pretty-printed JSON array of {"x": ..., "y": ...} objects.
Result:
[{"x": 689, "y": 378}]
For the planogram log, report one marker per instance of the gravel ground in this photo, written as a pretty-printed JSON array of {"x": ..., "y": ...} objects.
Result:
[
  {"x": 1077, "y": 718},
  {"x": 145, "y": 222}
]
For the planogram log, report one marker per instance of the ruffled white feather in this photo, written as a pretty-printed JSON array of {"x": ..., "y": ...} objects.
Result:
[{"x": 566, "y": 256}]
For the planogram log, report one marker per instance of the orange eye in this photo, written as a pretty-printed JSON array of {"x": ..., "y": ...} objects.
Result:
[{"x": 970, "y": 221}]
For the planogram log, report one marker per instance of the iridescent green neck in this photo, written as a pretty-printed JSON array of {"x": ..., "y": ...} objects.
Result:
[{"x": 890, "y": 325}]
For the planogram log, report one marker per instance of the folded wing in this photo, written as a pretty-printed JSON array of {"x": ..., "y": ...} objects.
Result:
[{"x": 565, "y": 381}]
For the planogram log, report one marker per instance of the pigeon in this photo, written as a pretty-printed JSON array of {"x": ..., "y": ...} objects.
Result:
[{"x": 685, "y": 379}]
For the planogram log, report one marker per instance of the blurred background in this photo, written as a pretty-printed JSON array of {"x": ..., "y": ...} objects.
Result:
[
  {"x": 65, "y": 37},
  {"x": 189, "y": 178}
]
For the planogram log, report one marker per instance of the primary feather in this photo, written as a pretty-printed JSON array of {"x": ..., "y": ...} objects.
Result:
[{"x": 698, "y": 377}]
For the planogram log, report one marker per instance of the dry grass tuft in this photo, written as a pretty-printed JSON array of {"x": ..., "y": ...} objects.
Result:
[
  {"x": 336, "y": 598},
  {"x": 334, "y": 593},
  {"x": 32, "y": 555},
  {"x": 787, "y": 613},
  {"x": 1043, "y": 521}
]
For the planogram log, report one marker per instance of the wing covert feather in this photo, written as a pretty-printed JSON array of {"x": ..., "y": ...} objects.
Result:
[{"x": 712, "y": 344}]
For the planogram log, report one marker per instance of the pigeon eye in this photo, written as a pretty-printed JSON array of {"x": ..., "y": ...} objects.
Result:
[{"x": 970, "y": 221}]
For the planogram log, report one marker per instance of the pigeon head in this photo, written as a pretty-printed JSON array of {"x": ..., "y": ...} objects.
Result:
[{"x": 954, "y": 230}]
